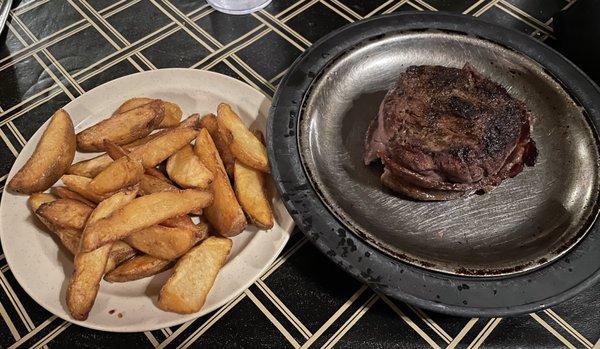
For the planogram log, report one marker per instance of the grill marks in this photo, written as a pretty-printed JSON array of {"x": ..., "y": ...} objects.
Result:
[{"x": 442, "y": 130}]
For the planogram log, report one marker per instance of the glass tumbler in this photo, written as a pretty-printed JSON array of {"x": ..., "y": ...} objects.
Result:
[{"x": 238, "y": 7}]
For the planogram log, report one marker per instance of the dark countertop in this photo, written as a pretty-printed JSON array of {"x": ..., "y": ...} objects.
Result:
[{"x": 55, "y": 50}]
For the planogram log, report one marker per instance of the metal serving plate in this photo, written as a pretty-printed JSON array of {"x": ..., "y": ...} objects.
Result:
[
  {"x": 526, "y": 222},
  {"x": 430, "y": 254}
]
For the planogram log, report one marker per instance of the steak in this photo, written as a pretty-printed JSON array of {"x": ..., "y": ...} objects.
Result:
[{"x": 445, "y": 132}]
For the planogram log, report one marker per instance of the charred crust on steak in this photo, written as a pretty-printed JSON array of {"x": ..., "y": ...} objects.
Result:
[{"x": 442, "y": 132}]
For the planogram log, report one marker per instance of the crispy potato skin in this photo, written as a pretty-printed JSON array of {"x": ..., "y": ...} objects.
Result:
[
  {"x": 162, "y": 242},
  {"x": 65, "y": 213},
  {"x": 51, "y": 158},
  {"x": 243, "y": 144},
  {"x": 138, "y": 267},
  {"x": 66, "y": 193},
  {"x": 251, "y": 192},
  {"x": 225, "y": 213},
  {"x": 79, "y": 184},
  {"x": 90, "y": 266},
  {"x": 173, "y": 112},
  {"x": 150, "y": 184},
  {"x": 186, "y": 169},
  {"x": 185, "y": 291},
  {"x": 122, "y": 128},
  {"x": 160, "y": 148},
  {"x": 121, "y": 173},
  {"x": 119, "y": 253},
  {"x": 209, "y": 122},
  {"x": 91, "y": 167},
  {"x": 143, "y": 212}
]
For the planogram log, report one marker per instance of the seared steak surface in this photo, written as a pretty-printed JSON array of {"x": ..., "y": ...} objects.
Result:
[{"x": 442, "y": 132}]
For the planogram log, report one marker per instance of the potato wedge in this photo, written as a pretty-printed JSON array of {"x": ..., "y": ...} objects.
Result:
[
  {"x": 225, "y": 213},
  {"x": 186, "y": 169},
  {"x": 160, "y": 148},
  {"x": 51, "y": 158},
  {"x": 116, "y": 152},
  {"x": 163, "y": 242},
  {"x": 138, "y": 268},
  {"x": 251, "y": 193},
  {"x": 141, "y": 213},
  {"x": 66, "y": 193},
  {"x": 173, "y": 112},
  {"x": 68, "y": 237},
  {"x": 209, "y": 122},
  {"x": 79, "y": 185},
  {"x": 90, "y": 168},
  {"x": 150, "y": 184},
  {"x": 243, "y": 144},
  {"x": 122, "y": 128},
  {"x": 122, "y": 173},
  {"x": 119, "y": 253},
  {"x": 183, "y": 221},
  {"x": 37, "y": 199},
  {"x": 193, "y": 276},
  {"x": 90, "y": 266},
  {"x": 65, "y": 213}
]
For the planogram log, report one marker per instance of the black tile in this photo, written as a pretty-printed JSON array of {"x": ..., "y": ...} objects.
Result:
[
  {"x": 116, "y": 71},
  {"x": 9, "y": 44},
  {"x": 499, "y": 16},
  {"x": 405, "y": 7},
  {"x": 6, "y": 337},
  {"x": 100, "y": 5},
  {"x": 148, "y": 19},
  {"x": 22, "y": 80},
  {"x": 316, "y": 21},
  {"x": 451, "y": 6},
  {"x": 81, "y": 50},
  {"x": 269, "y": 55},
  {"x": 46, "y": 19},
  {"x": 248, "y": 321},
  {"x": 32, "y": 120},
  {"x": 381, "y": 325},
  {"x": 540, "y": 9},
  {"x": 187, "y": 6},
  {"x": 521, "y": 332},
  {"x": 581, "y": 312},
  {"x": 6, "y": 160},
  {"x": 311, "y": 286},
  {"x": 226, "y": 28},
  {"x": 79, "y": 337},
  {"x": 36, "y": 313},
  {"x": 277, "y": 6},
  {"x": 176, "y": 50},
  {"x": 363, "y": 7},
  {"x": 223, "y": 68}
]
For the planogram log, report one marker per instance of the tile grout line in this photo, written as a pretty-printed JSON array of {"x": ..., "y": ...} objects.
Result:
[
  {"x": 33, "y": 332},
  {"x": 431, "y": 324},
  {"x": 8, "y": 321},
  {"x": 552, "y": 331},
  {"x": 50, "y": 336},
  {"x": 346, "y": 326},
  {"x": 343, "y": 15},
  {"x": 485, "y": 332},
  {"x": 572, "y": 331},
  {"x": 462, "y": 333}
]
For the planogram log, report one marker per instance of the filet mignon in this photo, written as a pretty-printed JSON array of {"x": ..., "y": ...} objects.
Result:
[{"x": 445, "y": 132}]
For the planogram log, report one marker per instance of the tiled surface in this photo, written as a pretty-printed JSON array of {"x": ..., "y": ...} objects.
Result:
[{"x": 57, "y": 49}]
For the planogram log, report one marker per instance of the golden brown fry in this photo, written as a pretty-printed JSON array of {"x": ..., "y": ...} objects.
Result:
[
  {"x": 37, "y": 199},
  {"x": 68, "y": 237},
  {"x": 185, "y": 168},
  {"x": 172, "y": 111},
  {"x": 119, "y": 253},
  {"x": 66, "y": 193},
  {"x": 183, "y": 221},
  {"x": 122, "y": 128},
  {"x": 79, "y": 185},
  {"x": 202, "y": 231},
  {"x": 90, "y": 266},
  {"x": 193, "y": 276},
  {"x": 243, "y": 144},
  {"x": 90, "y": 168},
  {"x": 225, "y": 213},
  {"x": 150, "y": 184},
  {"x": 163, "y": 242},
  {"x": 160, "y": 148},
  {"x": 138, "y": 268},
  {"x": 252, "y": 194},
  {"x": 209, "y": 122},
  {"x": 50, "y": 159},
  {"x": 65, "y": 213},
  {"x": 141, "y": 213},
  {"x": 122, "y": 173},
  {"x": 116, "y": 152}
]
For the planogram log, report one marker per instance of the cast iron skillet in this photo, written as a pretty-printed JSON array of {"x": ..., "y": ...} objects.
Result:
[{"x": 452, "y": 294}]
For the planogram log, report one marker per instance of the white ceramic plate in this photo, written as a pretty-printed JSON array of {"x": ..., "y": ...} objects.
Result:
[{"x": 43, "y": 269}]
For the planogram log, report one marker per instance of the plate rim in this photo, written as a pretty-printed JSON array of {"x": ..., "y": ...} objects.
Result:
[
  {"x": 295, "y": 186},
  {"x": 286, "y": 227}
]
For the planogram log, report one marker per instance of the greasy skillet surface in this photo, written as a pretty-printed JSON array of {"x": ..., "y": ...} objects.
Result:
[{"x": 451, "y": 294}]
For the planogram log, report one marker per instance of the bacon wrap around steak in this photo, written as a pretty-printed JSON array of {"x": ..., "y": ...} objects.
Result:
[{"x": 445, "y": 132}]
